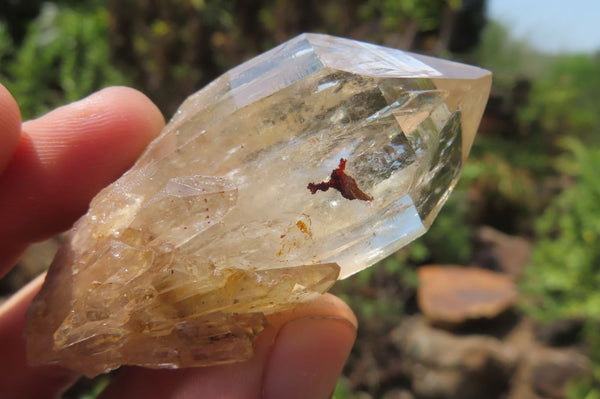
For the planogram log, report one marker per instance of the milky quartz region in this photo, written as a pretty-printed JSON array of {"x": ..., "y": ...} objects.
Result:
[{"x": 178, "y": 262}]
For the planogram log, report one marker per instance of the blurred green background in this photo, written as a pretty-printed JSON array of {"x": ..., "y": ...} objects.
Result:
[{"x": 533, "y": 174}]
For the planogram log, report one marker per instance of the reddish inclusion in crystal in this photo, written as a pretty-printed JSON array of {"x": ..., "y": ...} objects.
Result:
[{"x": 342, "y": 182}]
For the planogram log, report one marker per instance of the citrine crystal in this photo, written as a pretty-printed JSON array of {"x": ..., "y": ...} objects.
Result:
[{"x": 177, "y": 263}]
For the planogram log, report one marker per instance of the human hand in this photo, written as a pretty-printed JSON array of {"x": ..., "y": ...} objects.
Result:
[{"x": 50, "y": 168}]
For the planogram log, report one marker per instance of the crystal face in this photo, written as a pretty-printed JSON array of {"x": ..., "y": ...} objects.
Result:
[{"x": 177, "y": 263}]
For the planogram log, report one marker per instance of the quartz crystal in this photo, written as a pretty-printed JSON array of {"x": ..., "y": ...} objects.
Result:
[{"x": 217, "y": 225}]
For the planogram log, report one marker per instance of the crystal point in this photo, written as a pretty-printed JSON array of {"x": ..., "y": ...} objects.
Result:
[{"x": 178, "y": 262}]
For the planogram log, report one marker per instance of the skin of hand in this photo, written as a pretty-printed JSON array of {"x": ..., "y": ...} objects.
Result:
[{"x": 50, "y": 168}]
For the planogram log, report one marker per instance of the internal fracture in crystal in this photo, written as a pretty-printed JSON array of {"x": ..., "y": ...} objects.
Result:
[{"x": 177, "y": 263}]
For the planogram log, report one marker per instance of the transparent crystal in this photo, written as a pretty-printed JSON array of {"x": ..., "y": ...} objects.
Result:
[{"x": 177, "y": 263}]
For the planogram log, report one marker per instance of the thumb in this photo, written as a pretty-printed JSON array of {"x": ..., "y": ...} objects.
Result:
[{"x": 300, "y": 355}]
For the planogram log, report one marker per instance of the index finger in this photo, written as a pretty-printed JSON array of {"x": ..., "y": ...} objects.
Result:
[
  {"x": 64, "y": 158},
  {"x": 10, "y": 126}
]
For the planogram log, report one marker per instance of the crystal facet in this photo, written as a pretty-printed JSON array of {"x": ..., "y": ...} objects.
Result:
[{"x": 177, "y": 263}]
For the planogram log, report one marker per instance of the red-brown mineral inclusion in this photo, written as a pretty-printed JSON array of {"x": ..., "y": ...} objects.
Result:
[{"x": 342, "y": 182}]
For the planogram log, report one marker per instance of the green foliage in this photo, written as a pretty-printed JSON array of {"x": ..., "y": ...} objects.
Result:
[
  {"x": 531, "y": 154},
  {"x": 449, "y": 240},
  {"x": 342, "y": 390},
  {"x": 6, "y": 45},
  {"x": 64, "y": 57},
  {"x": 565, "y": 100},
  {"x": 563, "y": 278},
  {"x": 582, "y": 389},
  {"x": 426, "y": 13},
  {"x": 504, "y": 194},
  {"x": 378, "y": 294},
  {"x": 88, "y": 388}
]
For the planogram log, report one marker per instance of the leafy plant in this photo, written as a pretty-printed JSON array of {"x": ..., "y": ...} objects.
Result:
[
  {"x": 6, "y": 44},
  {"x": 64, "y": 57},
  {"x": 503, "y": 195},
  {"x": 426, "y": 13},
  {"x": 566, "y": 260},
  {"x": 565, "y": 100},
  {"x": 563, "y": 278},
  {"x": 449, "y": 240}
]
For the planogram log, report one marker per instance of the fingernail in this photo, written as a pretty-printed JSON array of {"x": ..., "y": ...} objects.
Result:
[{"x": 307, "y": 358}]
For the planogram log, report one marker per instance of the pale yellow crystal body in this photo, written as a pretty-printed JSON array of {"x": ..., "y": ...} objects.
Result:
[{"x": 177, "y": 263}]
